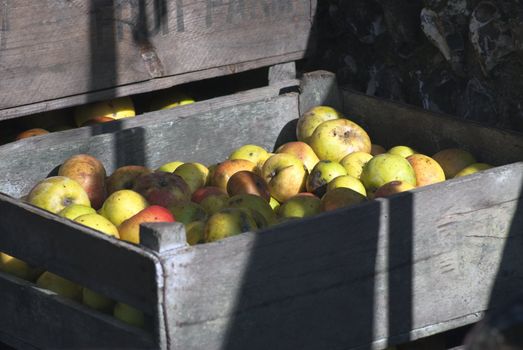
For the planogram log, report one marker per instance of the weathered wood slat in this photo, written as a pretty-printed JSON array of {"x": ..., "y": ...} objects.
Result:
[
  {"x": 114, "y": 268},
  {"x": 394, "y": 124},
  {"x": 152, "y": 140},
  {"x": 51, "y": 50},
  {"x": 33, "y": 315},
  {"x": 353, "y": 277}
]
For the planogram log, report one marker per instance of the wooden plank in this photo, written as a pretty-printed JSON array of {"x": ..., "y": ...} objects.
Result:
[
  {"x": 358, "y": 276},
  {"x": 41, "y": 319},
  {"x": 392, "y": 123},
  {"x": 50, "y": 49},
  {"x": 155, "y": 138},
  {"x": 115, "y": 268}
]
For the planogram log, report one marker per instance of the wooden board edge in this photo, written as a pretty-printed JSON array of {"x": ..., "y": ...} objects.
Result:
[{"x": 145, "y": 86}]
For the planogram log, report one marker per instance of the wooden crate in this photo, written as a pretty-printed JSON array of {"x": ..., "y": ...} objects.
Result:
[
  {"x": 56, "y": 54},
  {"x": 383, "y": 272}
]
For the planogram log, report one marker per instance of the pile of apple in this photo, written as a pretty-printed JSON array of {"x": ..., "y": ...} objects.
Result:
[{"x": 332, "y": 165}]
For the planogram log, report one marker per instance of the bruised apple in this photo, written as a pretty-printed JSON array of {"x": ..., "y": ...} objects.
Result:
[
  {"x": 334, "y": 139},
  {"x": 124, "y": 177},
  {"x": 90, "y": 173},
  {"x": 244, "y": 182},
  {"x": 164, "y": 189}
]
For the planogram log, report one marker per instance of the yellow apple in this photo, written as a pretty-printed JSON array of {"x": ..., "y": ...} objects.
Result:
[
  {"x": 310, "y": 120},
  {"x": 128, "y": 314},
  {"x": 323, "y": 173},
  {"x": 348, "y": 182},
  {"x": 427, "y": 170},
  {"x": 285, "y": 174},
  {"x": 403, "y": 151},
  {"x": 73, "y": 211},
  {"x": 170, "y": 166},
  {"x": 385, "y": 168},
  {"x": 228, "y": 222},
  {"x": 300, "y": 206},
  {"x": 19, "y": 268},
  {"x": 354, "y": 162},
  {"x": 96, "y": 300},
  {"x": 117, "y": 108},
  {"x": 123, "y": 204},
  {"x": 60, "y": 286},
  {"x": 168, "y": 99},
  {"x": 253, "y": 153},
  {"x": 195, "y": 174},
  {"x": 334, "y": 139},
  {"x": 99, "y": 223},
  {"x": 301, "y": 150},
  {"x": 253, "y": 202},
  {"x": 452, "y": 160},
  {"x": 473, "y": 168},
  {"x": 57, "y": 192}
]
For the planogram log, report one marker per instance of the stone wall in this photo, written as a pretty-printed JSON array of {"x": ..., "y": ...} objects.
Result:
[{"x": 462, "y": 57}]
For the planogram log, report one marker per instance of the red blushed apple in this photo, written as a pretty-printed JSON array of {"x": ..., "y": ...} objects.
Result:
[
  {"x": 98, "y": 120},
  {"x": 129, "y": 230},
  {"x": 228, "y": 168},
  {"x": 31, "y": 133},
  {"x": 124, "y": 177},
  {"x": 203, "y": 192},
  {"x": 164, "y": 189}
]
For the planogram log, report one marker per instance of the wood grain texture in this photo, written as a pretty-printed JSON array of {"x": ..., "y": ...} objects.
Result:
[
  {"x": 44, "y": 319},
  {"x": 50, "y": 50},
  {"x": 112, "y": 267},
  {"x": 334, "y": 275}
]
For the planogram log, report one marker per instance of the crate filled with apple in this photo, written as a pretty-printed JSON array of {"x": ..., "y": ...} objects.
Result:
[{"x": 225, "y": 215}]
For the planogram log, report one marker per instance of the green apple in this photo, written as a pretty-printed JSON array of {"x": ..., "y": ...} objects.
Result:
[
  {"x": 188, "y": 212},
  {"x": 274, "y": 204},
  {"x": 99, "y": 223},
  {"x": 194, "y": 232},
  {"x": 195, "y": 174},
  {"x": 60, "y": 286},
  {"x": 73, "y": 211},
  {"x": 57, "y": 192},
  {"x": 310, "y": 120},
  {"x": 354, "y": 163},
  {"x": 323, "y": 173},
  {"x": 253, "y": 153},
  {"x": 402, "y": 151},
  {"x": 169, "y": 167},
  {"x": 385, "y": 168},
  {"x": 214, "y": 202},
  {"x": 255, "y": 203},
  {"x": 228, "y": 222},
  {"x": 96, "y": 300},
  {"x": 123, "y": 204},
  {"x": 285, "y": 174},
  {"x": 473, "y": 168},
  {"x": 128, "y": 314},
  {"x": 347, "y": 181},
  {"x": 300, "y": 206},
  {"x": 334, "y": 139}
]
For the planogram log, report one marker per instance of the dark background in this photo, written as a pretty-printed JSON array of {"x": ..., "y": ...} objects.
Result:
[{"x": 462, "y": 57}]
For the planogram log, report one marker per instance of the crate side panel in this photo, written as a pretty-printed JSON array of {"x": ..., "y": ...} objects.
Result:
[
  {"x": 394, "y": 124},
  {"x": 92, "y": 259},
  {"x": 42, "y": 319},
  {"x": 357, "y": 276},
  {"x": 206, "y": 137},
  {"x": 51, "y": 49}
]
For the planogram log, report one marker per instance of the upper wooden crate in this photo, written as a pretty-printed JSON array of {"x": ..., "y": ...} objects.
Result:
[{"x": 56, "y": 54}]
